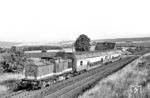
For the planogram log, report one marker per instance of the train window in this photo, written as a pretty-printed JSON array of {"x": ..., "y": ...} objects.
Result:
[
  {"x": 91, "y": 64},
  {"x": 88, "y": 63},
  {"x": 110, "y": 57},
  {"x": 69, "y": 64},
  {"x": 101, "y": 60},
  {"x": 106, "y": 57},
  {"x": 81, "y": 63}
]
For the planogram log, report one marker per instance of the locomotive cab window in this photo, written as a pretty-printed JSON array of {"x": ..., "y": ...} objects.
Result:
[{"x": 70, "y": 64}]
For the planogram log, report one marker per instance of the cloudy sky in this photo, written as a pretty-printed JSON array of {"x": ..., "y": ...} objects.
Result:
[{"x": 61, "y": 20}]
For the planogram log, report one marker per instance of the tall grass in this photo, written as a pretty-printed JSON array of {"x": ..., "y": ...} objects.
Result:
[
  {"x": 118, "y": 85},
  {"x": 8, "y": 82}
]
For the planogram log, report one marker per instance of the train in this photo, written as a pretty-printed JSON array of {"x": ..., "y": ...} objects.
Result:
[{"x": 44, "y": 71}]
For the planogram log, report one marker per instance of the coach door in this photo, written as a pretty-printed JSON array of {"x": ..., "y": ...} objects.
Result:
[{"x": 88, "y": 65}]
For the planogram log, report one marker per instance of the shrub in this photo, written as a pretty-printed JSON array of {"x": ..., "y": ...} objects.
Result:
[{"x": 13, "y": 62}]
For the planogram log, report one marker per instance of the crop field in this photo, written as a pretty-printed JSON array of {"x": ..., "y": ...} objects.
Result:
[
  {"x": 126, "y": 39},
  {"x": 133, "y": 44}
]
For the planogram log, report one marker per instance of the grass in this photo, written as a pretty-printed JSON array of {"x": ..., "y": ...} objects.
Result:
[
  {"x": 118, "y": 85},
  {"x": 8, "y": 82}
]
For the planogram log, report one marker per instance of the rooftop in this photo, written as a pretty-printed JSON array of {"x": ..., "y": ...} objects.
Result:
[
  {"x": 81, "y": 55},
  {"x": 40, "y": 62}
]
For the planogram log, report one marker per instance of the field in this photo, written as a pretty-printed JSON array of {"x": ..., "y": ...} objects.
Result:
[
  {"x": 118, "y": 85},
  {"x": 126, "y": 39},
  {"x": 134, "y": 44}
]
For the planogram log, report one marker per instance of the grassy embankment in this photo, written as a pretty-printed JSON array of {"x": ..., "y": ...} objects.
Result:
[
  {"x": 8, "y": 82},
  {"x": 118, "y": 85}
]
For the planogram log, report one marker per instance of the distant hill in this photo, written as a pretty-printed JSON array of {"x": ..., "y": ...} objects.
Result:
[
  {"x": 8, "y": 44},
  {"x": 128, "y": 42},
  {"x": 70, "y": 43},
  {"x": 126, "y": 39}
]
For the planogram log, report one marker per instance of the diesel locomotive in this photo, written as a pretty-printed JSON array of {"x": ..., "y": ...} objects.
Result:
[{"x": 44, "y": 71}]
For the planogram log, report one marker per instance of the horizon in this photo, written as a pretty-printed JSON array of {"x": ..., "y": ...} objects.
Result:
[
  {"x": 59, "y": 41},
  {"x": 74, "y": 40}
]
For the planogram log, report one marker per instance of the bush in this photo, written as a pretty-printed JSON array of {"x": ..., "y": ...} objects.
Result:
[
  {"x": 136, "y": 50},
  {"x": 13, "y": 62}
]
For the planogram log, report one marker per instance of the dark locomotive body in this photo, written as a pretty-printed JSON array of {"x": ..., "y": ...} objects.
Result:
[{"x": 46, "y": 70}]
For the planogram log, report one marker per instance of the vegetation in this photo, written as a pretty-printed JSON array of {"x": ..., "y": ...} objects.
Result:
[
  {"x": 105, "y": 46},
  {"x": 134, "y": 44},
  {"x": 43, "y": 49},
  {"x": 118, "y": 85},
  {"x": 135, "y": 50},
  {"x": 126, "y": 39},
  {"x": 82, "y": 43},
  {"x": 31, "y": 48},
  {"x": 4, "y": 50},
  {"x": 138, "y": 50},
  {"x": 8, "y": 82},
  {"x": 14, "y": 61},
  {"x": 61, "y": 54}
]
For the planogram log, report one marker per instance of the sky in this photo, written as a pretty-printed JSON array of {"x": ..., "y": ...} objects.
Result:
[{"x": 62, "y": 20}]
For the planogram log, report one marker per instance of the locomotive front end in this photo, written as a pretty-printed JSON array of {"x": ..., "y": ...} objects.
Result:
[
  {"x": 37, "y": 74},
  {"x": 30, "y": 79}
]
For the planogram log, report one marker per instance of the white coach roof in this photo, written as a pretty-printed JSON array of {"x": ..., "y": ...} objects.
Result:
[{"x": 85, "y": 55}]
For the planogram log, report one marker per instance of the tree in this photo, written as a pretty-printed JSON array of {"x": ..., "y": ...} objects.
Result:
[
  {"x": 2, "y": 50},
  {"x": 14, "y": 61},
  {"x": 82, "y": 43},
  {"x": 13, "y": 49}
]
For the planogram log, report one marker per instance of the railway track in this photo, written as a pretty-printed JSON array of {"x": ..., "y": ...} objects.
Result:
[{"x": 71, "y": 87}]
